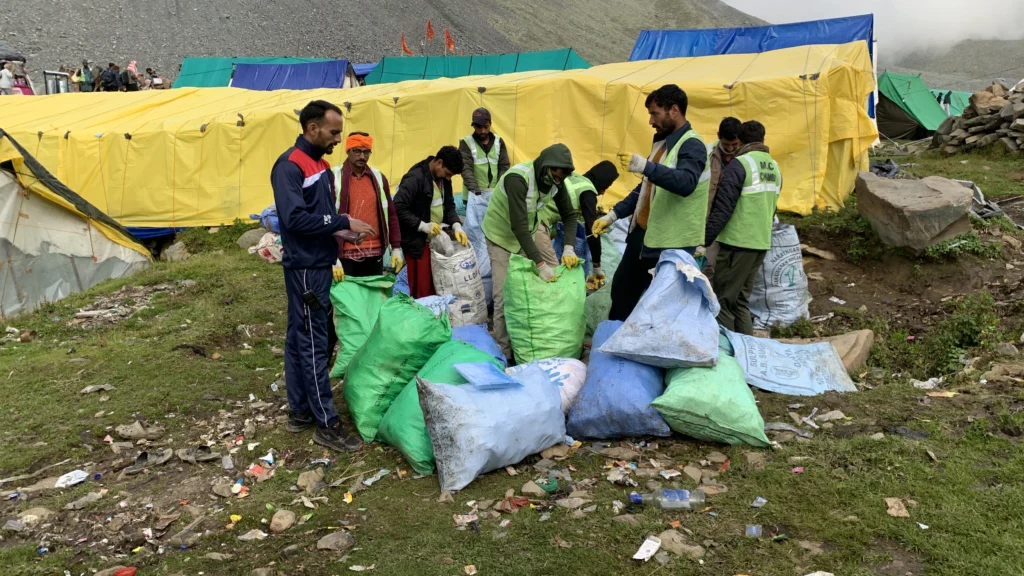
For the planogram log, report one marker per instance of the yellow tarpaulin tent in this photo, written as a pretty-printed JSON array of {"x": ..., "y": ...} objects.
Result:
[{"x": 202, "y": 156}]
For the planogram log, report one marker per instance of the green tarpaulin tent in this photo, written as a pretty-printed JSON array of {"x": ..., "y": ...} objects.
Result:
[
  {"x": 200, "y": 72},
  {"x": 399, "y": 68},
  {"x": 957, "y": 100},
  {"x": 907, "y": 109}
]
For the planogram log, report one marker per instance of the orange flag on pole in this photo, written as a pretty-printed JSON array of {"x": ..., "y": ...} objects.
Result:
[
  {"x": 430, "y": 30},
  {"x": 449, "y": 42},
  {"x": 405, "y": 47}
]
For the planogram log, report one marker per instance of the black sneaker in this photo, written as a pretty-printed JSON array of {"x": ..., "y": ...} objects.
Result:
[
  {"x": 336, "y": 438},
  {"x": 297, "y": 423}
]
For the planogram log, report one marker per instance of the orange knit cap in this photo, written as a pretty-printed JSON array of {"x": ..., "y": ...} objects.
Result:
[{"x": 358, "y": 141}]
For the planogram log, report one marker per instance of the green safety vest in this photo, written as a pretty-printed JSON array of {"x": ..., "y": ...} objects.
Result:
[
  {"x": 380, "y": 186},
  {"x": 676, "y": 221},
  {"x": 575, "y": 185},
  {"x": 497, "y": 225},
  {"x": 485, "y": 166},
  {"x": 437, "y": 205},
  {"x": 751, "y": 223}
]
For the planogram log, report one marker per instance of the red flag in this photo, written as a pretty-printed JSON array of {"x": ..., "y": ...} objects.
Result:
[
  {"x": 449, "y": 42},
  {"x": 430, "y": 30},
  {"x": 405, "y": 47}
]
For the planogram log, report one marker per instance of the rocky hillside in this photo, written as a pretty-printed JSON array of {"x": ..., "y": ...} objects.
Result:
[
  {"x": 159, "y": 33},
  {"x": 970, "y": 65}
]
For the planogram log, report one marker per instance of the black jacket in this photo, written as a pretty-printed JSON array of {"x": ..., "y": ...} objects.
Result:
[{"x": 415, "y": 193}]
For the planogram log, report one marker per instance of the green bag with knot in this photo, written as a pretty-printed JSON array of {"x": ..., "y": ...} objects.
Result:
[
  {"x": 404, "y": 338},
  {"x": 403, "y": 426},
  {"x": 713, "y": 404},
  {"x": 356, "y": 303},
  {"x": 544, "y": 319}
]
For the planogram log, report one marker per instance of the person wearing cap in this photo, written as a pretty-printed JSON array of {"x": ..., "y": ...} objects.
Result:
[
  {"x": 425, "y": 205},
  {"x": 364, "y": 194},
  {"x": 86, "y": 82},
  {"x": 513, "y": 217},
  {"x": 484, "y": 158}
]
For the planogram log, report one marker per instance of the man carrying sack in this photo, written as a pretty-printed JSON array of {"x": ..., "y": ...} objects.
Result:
[
  {"x": 364, "y": 194},
  {"x": 513, "y": 217},
  {"x": 741, "y": 222}
]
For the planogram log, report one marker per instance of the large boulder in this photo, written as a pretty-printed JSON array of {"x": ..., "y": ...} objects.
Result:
[
  {"x": 251, "y": 238},
  {"x": 914, "y": 214},
  {"x": 176, "y": 252}
]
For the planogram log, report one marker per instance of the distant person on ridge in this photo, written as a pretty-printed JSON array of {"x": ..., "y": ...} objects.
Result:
[{"x": 304, "y": 196}]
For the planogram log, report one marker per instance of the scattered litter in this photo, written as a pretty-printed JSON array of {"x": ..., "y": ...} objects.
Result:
[
  {"x": 758, "y": 502},
  {"x": 469, "y": 570},
  {"x": 14, "y": 526},
  {"x": 932, "y": 456},
  {"x": 838, "y": 301},
  {"x": 831, "y": 416},
  {"x": 670, "y": 474},
  {"x": 783, "y": 427},
  {"x": 798, "y": 470},
  {"x": 446, "y": 497},
  {"x": 922, "y": 526},
  {"x": 380, "y": 474},
  {"x": 929, "y": 384},
  {"x": 253, "y": 535},
  {"x": 72, "y": 478},
  {"x": 97, "y": 388},
  {"x": 753, "y": 531},
  {"x": 84, "y": 501},
  {"x": 620, "y": 454},
  {"x": 896, "y": 508},
  {"x": 946, "y": 394},
  {"x": 511, "y": 471},
  {"x": 269, "y": 458},
  {"x": 463, "y": 521},
  {"x": 648, "y": 549},
  {"x": 358, "y": 568},
  {"x": 562, "y": 543},
  {"x": 348, "y": 498},
  {"x": 544, "y": 517},
  {"x": 878, "y": 436}
]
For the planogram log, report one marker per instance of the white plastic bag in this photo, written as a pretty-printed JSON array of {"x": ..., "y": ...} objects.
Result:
[
  {"x": 780, "y": 296},
  {"x": 474, "y": 431},
  {"x": 269, "y": 248},
  {"x": 568, "y": 374},
  {"x": 673, "y": 325},
  {"x": 455, "y": 273}
]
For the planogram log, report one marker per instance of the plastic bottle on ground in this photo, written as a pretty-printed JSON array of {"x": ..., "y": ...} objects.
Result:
[{"x": 671, "y": 499}]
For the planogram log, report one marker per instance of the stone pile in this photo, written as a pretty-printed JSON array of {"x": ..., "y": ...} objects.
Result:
[{"x": 994, "y": 117}]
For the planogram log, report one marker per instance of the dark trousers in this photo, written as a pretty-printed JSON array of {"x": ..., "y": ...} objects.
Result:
[
  {"x": 735, "y": 271},
  {"x": 364, "y": 267},
  {"x": 632, "y": 277},
  {"x": 307, "y": 347}
]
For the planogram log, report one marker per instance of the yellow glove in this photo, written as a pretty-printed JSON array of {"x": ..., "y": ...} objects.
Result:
[
  {"x": 339, "y": 274},
  {"x": 397, "y": 260},
  {"x": 602, "y": 224},
  {"x": 461, "y": 238},
  {"x": 431, "y": 229},
  {"x": 569, "y": 258},
  {"x": 596, "y": 280}
]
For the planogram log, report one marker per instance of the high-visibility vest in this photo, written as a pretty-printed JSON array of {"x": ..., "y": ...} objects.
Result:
[
  {"x": 575, "y": 185},
  {"x": 676, "y": 221},
  {"x": 497, "y": 225},
  {"x": 380, "y": 186},
  {"x": 485, "y": 166},
  {"x": 751, "y": 222}
]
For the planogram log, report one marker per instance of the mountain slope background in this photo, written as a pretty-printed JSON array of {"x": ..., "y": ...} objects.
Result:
[
  {"x": 969, "y": 65},
  {"x": 159, "y": 33}
]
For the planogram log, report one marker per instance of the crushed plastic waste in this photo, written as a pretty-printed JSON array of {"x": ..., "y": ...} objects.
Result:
[
  {"x": 758, "y": 502},
  {"x": 373, "y": 479},
  {"x": 648, "y": 549},
  {"x": 72, "y": 478}
]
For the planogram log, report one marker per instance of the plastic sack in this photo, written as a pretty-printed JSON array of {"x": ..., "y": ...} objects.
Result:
[
  {"x": 438, "y": 304},
  {"x": 568, "y": 374},
  {"x": 712, "y": 404},
  {"x": 268, "y": 219},
  {"x": 615, "y": 401},
  {"x": 481, "y": 339},
  {"x": 474, "y": 431},
  {"x": 402, "y": 282},
  {"x": 780, "y": 295},
  {"x": 544, "y": 319},
  {"x": 455, "y": 273},
  {"x": 673, "y": 325},
  {"x": 476, "y": 209},
  {"x": 404, "y": 338},
  {"x": 403, "y": 426},
  {"x": 486, "y": 376},
  {"x": 356, "y": 302},
  {"x": 792, "y": 369},
  {"x": 269, "y": 248}
]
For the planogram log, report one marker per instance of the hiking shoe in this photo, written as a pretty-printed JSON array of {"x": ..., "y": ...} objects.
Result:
[
  {"x": 298, "y": 424},
  {"x": 336, "y": 438}
]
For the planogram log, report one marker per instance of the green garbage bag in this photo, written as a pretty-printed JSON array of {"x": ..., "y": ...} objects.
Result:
[
  {"x": 356, "y": 303},
  {"x": 404, "y": 338},
  {"x": 544, "y": 319},
  {"x": 403, "y": 426},
  {"x": 598, "y": 307},
  {"x": 712, "y": 404}
]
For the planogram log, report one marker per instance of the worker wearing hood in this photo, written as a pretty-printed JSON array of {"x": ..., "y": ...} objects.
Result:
[{"x": 513, "y": 217}]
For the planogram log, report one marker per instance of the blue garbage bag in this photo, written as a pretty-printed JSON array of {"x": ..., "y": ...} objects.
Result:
[
  {"x": 792, "y": 369},
  {"x": 477, "y": 336},
  {"x": 476, "y": 209},
  {"x": 268, "y": 219},
  {"x": 615, "y": 401},
  {"x": 402, "y": 282},
  {"x": 581, "y": 247},
  {"x": 673, "y": 325},
  {"x": 475, "y": 431}
]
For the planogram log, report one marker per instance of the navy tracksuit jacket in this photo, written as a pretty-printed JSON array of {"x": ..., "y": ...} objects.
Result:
[{"x": 304, "y": 195}]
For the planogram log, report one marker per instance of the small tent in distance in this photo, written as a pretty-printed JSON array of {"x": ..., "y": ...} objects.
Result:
[
  {"x": 54, "y": 242},
  {"x": 304, "y": 76},
  {"x": 398, "y": 68},
  {"x": 907, "y": 110}
]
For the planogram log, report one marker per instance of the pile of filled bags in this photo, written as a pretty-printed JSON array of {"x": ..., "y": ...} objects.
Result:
[{"x": 445, "y": 398}]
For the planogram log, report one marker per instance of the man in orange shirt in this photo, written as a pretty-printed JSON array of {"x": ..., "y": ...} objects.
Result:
[{"x": 364, "y": 194}]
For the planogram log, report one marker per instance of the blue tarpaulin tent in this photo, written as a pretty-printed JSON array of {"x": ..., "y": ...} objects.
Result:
[
  {"x": 305, "y": 76},
  {"x": 363, "y": 70},
  {"x": 659, "y": 44}
]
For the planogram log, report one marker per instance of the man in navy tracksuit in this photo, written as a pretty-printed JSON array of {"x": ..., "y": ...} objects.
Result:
[{"x": 304, "y": 195}]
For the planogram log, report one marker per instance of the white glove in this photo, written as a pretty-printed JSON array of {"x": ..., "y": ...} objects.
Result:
[
  {"x": 546, "y": 273},
  {"x": 429, "y": 228},
  {"x": 637, "y": 164}
]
